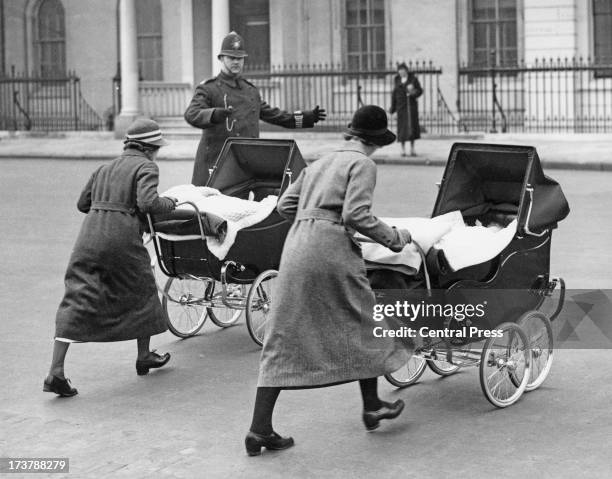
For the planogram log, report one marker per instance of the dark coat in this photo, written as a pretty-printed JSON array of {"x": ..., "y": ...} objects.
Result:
[
  {"x": 322, "y": 298},
  {"x": 248, "y": 108},
  {"x": 407, "y": 109},
  {"x": 110, "y": 289}
]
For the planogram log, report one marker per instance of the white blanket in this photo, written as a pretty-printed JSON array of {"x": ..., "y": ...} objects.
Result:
[
  {"x": 238, "y": 213},
  {"x": 472, "y": 245},
  {"x": 425, "y": 231},
  {"x": 462, "y": 245}
]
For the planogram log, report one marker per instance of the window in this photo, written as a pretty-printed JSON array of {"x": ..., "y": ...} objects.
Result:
[
  {"x": 251, "y": 20},
  {"x": 602, "y": 31},
  {"x": 493, "y": 33},
  {"x": 365, "y": 34},
  {"x": 50, "y": 35},
  {"x": 149, "y": 37}
]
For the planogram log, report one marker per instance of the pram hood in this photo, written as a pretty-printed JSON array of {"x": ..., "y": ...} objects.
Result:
[
  {"x": 243, "y": 161},
  {"x": 483, "y": 177}
]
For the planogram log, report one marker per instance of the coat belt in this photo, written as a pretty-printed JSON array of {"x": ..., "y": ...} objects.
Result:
[
  {"x": 319, "y": 214},
  {"x": 112, "y": 206}
]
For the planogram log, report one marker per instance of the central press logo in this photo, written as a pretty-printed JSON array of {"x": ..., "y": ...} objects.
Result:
[{"x": 426, "y": 319}]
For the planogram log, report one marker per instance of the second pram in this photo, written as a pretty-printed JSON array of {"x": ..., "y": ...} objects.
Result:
[
  {"x": 504, "y": 185},
  {"x": 200, "y": 284}
]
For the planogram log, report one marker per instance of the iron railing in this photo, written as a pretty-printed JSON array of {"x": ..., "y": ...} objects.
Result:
[
  {"x": 341, "y": 91},
  {"x": 548, "y": 96},
  {"x": 30, "y": 102}
]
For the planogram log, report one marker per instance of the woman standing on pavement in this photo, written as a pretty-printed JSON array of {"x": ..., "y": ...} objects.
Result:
[
  {"x": 404, "y": 102},
  {"x": 110, "y": 289},
  {"x": 314, "y": 333}
]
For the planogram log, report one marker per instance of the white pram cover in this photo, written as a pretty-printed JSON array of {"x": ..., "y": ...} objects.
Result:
[
  {"x": 238, "y": 213},
  {"x": 462, "y": 245}
]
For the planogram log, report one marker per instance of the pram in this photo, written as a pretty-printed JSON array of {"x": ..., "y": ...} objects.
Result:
[
  {"x": 200, "y": 284},
  {"x": 496, "y": 184}
]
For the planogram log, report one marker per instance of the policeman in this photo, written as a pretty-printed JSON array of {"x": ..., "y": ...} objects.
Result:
[{"x": 229, "y": 105}]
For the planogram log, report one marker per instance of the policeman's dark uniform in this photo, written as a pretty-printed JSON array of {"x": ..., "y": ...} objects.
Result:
[{"x": 248, "y": 108}]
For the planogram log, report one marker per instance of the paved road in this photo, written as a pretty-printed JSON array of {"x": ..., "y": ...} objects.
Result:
[{"x": 188, "y": 420}]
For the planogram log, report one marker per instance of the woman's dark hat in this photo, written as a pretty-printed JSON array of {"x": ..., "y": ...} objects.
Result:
[
  {"x": 232, "y": 46},
  {"x": 402, "y": 66},
  {"x": 145, "y": 131},
  {"x": 370, "y": 124}
]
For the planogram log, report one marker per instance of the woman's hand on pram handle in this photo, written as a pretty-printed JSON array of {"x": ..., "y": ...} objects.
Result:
[{"x": 405, "y": 236}]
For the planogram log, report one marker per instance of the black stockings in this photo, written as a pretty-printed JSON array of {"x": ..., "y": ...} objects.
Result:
[
  {"x": 264, "y": 407},
  {"x": 369, "y": 394},
  {"x": 266, "y": 397}
]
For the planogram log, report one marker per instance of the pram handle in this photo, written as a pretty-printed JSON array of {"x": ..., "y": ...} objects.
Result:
[
  {"x": 365, "y": 239},
  {"x": 198, "y": 215},
  {"x": 529, "y": 190}
]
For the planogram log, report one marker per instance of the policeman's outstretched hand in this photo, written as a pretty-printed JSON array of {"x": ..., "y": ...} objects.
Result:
[
  {"x": 318, "y": 114},
  {"x": 313, "y": 116},
  {"x": 220, "y": 114}
]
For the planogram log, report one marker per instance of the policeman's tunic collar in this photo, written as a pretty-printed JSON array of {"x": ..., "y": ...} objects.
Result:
[{"x": 231, "y": 80}]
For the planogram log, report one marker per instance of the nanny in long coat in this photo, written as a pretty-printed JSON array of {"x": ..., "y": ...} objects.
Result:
[
  {"x": 404, "y": 103},
  {"x": 110, "y": 292},
  {"x": 315, "y": 331}
]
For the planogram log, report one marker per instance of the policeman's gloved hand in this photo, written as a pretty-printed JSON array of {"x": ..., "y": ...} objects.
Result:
[
  {"x": 319, "y": 114},
  {"x": 313, "y": 116},
  {"x": 220, "y": 114}
]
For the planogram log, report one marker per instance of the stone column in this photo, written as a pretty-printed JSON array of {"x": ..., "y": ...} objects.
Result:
[
  {"x": 220, "y": 28},
  {"x": 187, "y": 41},
  {"x": 130, "y": 101}
]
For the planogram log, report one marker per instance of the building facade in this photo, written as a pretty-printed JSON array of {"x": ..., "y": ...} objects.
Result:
[{"x": 171, "y": 45}]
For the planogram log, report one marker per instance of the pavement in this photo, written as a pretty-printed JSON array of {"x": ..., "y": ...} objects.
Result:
[{"x": 559, "y": 151}]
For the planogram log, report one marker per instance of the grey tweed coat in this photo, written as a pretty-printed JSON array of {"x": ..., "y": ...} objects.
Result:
[
  {"x": 110, "y": 290},
  {"x": 314, "y": 335}
]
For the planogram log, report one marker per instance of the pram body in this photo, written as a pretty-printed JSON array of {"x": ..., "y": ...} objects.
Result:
[
  {"x": 497, "y": 183},
  {"x": 246, "y": 169}
]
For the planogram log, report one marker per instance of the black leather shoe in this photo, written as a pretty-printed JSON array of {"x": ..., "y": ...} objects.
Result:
[
  {"x": 60, "y": 386},
  {"x": 371, "y": 419},
  {"x": 157, "y": 361},
  {"x": 254, "y": 442}
]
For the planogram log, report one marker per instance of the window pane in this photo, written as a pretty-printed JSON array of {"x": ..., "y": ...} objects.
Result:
[
  {"x": 50, "y": 34},
  {"x": 379, "y": 40},
  {"x": 378, "y": 14},
  {"x": 602, "y": 7},
  {"x": 149, "y": 33},
  {"x": 352, "y": 38},
  {"x": 493, "y": 32},
  {"x": 480, "y": 35},
  {"x": 507, "y": 9},
  {"x": 602, "y": 31},
  {"x": 483, "y": 9},
  {"x": 365, "y": 33}
]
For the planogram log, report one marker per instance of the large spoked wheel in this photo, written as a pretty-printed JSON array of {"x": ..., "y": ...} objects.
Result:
[
  {"x": 409, "y": 373},
  {"x": 538, "y": 329},
  {"x": 183, "y": 304},
  {"x": 442, "y": 368},
  {"x": 221, "y": 315},
  {"x": 505, "y": 365},
  {"x": 258, "y": 304}
]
